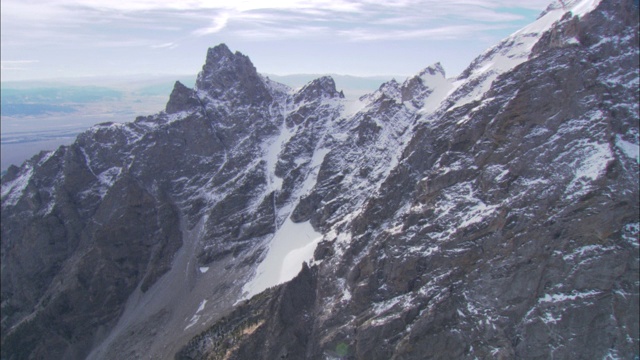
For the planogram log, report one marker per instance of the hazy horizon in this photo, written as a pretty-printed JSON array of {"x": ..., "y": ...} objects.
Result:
[
  {"x": 44, "y": 40},
  {"x": 83, "y": 103}
]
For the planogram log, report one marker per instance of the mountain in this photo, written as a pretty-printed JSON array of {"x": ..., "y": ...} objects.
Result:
[{"x": 491, "y": 215}]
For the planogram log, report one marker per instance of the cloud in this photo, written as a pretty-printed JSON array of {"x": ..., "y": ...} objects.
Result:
[
  {"x": 219, "y": 22},
  {"x": 97, "y": 31},
  {"x": 16, "y": 64},
  {"x": 169, "y": 45},
  {"x": 283, "y": 33},
  {"x": 436, "y": 33}
]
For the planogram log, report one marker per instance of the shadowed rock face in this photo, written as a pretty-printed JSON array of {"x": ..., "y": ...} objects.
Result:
[{"x": 495, "y": 219}]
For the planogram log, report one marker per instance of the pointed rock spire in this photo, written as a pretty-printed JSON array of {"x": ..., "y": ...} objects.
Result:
[
  {"x": 324, "y": 87},
  {"x": 181, "y": 98},
  {"x": 232, "y": 76},
  {"x": 418, "y": 87}
]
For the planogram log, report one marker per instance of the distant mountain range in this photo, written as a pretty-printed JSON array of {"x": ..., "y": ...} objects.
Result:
[{"x": 31, "y": 98}]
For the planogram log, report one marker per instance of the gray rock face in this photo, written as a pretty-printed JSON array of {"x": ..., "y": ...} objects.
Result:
[
  {"x": 182, "y": 98},
  {"x": 509, "y": 228},
  {"x": 494, "y": 215}
]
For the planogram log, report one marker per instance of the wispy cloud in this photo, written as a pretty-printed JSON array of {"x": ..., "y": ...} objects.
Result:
[
  {"x": 110, "y": 34},
  {"x": 218, "y": 23},
  {"x": 436, "y": 33},
  {"x": 16, "y": 64},
  {"x": 283, "y": 33},
  {"x": 169, "y": 45},
  {"x": 209, "y": 17}
]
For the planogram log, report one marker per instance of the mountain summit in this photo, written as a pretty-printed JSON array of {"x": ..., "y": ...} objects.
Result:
[
  {"x": 491, "y": 215},
  {"x": 231, "y": 76}
]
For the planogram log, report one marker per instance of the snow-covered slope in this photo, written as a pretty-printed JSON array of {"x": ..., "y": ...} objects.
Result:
[{"x": 476, "y": 80}]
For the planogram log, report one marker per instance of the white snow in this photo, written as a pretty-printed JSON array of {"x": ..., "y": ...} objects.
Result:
[
  {"x": 12, "y": 191},
  {"x": 109, "y": 176},
  {"x": 581, "y": 7},
  {"x": 316, "y": 161},
  {"x": 514, "y": 50},
  {"x": 46, "y": 157},
  {"x": 384, "y": 306},
  {"x": 594, "y": 162},
  {"x": 292, "y": 262},
  {"x": 612, "y": 355},
  {"x": 204, "y": 269},
  {"x": 567, "y": 297},
  {"x": 271, "y": 155},
  {"x": 193, "y": 321},
  {"x": 441, "y": 87},
  {"x": 346, "y": 294},
  {"x": 630, "y": 149},
  {"x": 477, "y": 213},
  {"x": 350, "y": 108},
  {"x": 580, "y": 252},
  {"x": 630, "y": 234},
  {"x": 591, "y": 161},
  {"x": 291, "y": 245},
  {"x": 201, "y": 307},
  {"x": 87, "y": 161}
]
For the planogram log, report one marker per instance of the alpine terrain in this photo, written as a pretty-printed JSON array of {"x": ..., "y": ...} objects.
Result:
[{"x": 493, "y": 215}]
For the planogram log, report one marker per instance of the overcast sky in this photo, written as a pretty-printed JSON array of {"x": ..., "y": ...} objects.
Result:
[{"x": 48, "y": 39}]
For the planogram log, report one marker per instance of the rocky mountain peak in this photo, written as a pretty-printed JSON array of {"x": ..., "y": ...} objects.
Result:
[
  {"x": 232, "y": 74},
  {"x": 181, "y": 98},
  {"x": 218, "y": 53},
  {"x": 420, "y": 86},
  {"x": 433, "y": 70},
  {"x": 324, "y": 87}
]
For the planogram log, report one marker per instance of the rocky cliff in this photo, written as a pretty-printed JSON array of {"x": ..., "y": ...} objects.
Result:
[{"x": 492, "y": 215}]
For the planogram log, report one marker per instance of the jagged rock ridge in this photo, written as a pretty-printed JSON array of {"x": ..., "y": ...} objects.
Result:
[{"x": 491, "y": 215}]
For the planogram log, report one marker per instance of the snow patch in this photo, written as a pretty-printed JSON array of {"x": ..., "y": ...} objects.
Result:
[
  {"x": 595, "y": 162},
  {"x": 46, "y": 157},
  {"x": 548, "y": 298},
  {"x": 271, "y": 155},
  {"x": 109, "y": 176},
  {"x": 13, "y": 190},
  {"x": 549, "y": 318},
  {"x": 580, "y": 252},
  {"x": 201, "y": 307},
  {"x": 193, "y": 321},
  {"x": 630, "y": 233},
  {"x": 628, "y": 148},
  {"x": 581, "y": 7},
  {"x": 590, "y": 165},
  {"x": 203, "y": 269},
  {"x": 292, "y": 244},
  {"x": 292, "y": 263},
  {"x": 511, "y": 52},
  {"x": 316, "y": 161},
  {"x": 351, "y": 108}
]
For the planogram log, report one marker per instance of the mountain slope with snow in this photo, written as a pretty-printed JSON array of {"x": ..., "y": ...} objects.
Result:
[
  {"x": 508, "y": 227},
  {"x": 490, "y": 215}
]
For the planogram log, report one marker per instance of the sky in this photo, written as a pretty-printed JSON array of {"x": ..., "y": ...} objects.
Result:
[{"x": 57, "y": 39}]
